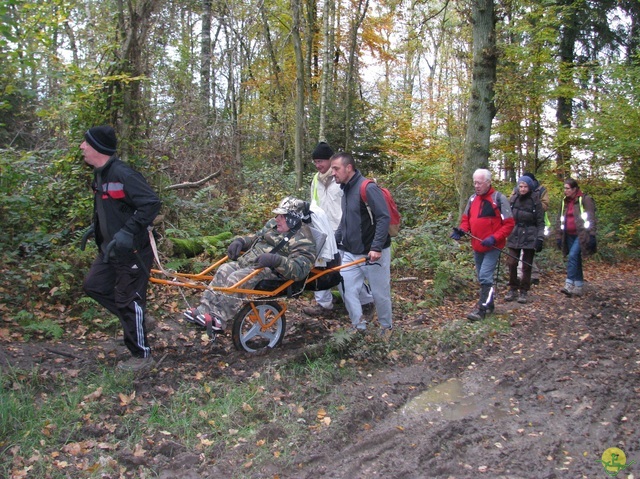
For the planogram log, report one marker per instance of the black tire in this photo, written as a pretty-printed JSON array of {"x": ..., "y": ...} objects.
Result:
[{"x": 249, "y": 336}]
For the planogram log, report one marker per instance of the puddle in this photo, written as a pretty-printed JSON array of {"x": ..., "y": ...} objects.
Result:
[{"x": 448, "y": 399}]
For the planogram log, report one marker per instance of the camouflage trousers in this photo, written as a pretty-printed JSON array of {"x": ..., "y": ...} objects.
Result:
[{"x": 226, "y": 305}]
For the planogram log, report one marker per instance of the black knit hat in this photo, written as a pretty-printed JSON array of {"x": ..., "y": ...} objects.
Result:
[
  {"x": 322, "y": 151},
  {"x": 102, "y": 139}
]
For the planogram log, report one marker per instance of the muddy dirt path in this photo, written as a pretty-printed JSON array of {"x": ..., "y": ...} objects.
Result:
[{"x": 545, "y": 401}]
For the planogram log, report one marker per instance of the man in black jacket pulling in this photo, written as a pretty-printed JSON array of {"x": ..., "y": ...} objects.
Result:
[{"x": 124, "y": 207}]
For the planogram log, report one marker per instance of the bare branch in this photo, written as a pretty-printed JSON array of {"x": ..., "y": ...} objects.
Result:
[{"x": 193, "y": 184}]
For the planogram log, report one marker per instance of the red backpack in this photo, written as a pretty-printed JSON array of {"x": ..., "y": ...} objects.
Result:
[{"x": 394, "y": 224}]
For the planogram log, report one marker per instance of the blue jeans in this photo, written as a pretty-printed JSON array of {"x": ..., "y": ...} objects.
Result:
[
  {"x": 574, "y": 261},
  {"x": 486, "y": 265}
]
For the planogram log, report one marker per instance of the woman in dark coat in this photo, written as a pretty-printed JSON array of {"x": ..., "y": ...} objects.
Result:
[{"x": 526, "y": 238}]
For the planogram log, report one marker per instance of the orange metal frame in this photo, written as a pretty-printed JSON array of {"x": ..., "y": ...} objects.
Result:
[{"x": 196, "y": 280}]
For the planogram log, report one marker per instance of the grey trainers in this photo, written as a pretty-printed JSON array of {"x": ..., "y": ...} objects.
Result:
[
  {"x": 136, "y": 364},
  {"x": 577, "y": 291},
  {"x": 522, "y": 298},
  {"x": 568, "y": 289},
  {"x": 511, "y": 295},
  {"x": 316, "y": 311}
]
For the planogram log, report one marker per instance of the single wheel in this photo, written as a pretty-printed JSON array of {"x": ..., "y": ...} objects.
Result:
[{"x": 258, "y": 326}]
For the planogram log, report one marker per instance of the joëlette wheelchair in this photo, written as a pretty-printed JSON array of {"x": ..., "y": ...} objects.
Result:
[{"x": 260, "y": 323}]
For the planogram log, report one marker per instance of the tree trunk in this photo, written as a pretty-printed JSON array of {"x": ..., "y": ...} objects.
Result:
[
  {"x": 352, "y": 69},
  {"x": 205, "y": 57},
  {"x": 134, "y": 23},
  {"x": 328, "y": 17},
  {"x": 481, "y": 103},
  {"x": 300, "y": 118},
  {"x": 564, "y": 103}
]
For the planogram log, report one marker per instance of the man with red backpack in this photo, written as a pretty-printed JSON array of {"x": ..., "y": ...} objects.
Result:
[
  {"x": 361, "y": 235},
  {"x": 488, "y": 220}
]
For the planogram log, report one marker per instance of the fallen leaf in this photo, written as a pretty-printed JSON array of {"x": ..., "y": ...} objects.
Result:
[
  {"x": 94, "y": 395},
  {"x": 139, "y": 451}
]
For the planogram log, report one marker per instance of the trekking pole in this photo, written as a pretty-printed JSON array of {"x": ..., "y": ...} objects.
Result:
[{"x": 495, "y": 247}]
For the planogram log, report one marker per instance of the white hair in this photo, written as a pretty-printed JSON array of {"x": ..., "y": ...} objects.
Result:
[{"x": 486, "y": 174}]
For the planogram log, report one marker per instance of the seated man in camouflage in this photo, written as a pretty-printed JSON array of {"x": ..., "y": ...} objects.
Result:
[{"x": 284, "y": 248}]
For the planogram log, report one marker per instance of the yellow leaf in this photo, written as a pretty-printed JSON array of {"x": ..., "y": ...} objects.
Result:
[
  {"x": 94, "y": 395},
  {"x": 246, "y": 407},
  {"x": 126, "y": 400}
]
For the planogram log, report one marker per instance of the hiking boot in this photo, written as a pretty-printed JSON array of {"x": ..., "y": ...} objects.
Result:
[
  {"x": 368, "y": 311},
  {"x": 522, "y": 297},
  {"x": 476, "y": 315},
  {"x": 577, "y": 291},
  {"x": 511, "y": 295},
  {"x": 568, "y": 289},
  {"x": 135, "y": 364},
  {"x": 317, "y": 310}
]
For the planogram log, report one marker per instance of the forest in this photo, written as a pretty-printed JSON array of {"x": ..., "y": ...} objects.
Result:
[{"x": 219, "y": 104}]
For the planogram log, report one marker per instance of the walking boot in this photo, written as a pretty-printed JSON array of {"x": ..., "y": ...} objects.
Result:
[
  {"x": 484, "y": 304},
  {"x": 476, "y": 315},
  {"x": 577, "y": 291},
  {"x": 522, "y": 298},
  {"x": 567, "y": 290},
  {"x": 511, "y": 295}
]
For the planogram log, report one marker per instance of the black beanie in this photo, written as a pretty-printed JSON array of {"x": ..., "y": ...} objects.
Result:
[
  {"x": 102, "y": 139},
  {"x": 322, "y": 152}
]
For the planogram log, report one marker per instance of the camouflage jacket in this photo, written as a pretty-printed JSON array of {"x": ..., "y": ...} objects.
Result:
[{"x": 298, "y": 254}]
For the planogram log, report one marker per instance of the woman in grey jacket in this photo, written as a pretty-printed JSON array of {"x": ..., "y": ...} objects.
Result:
[{"x": 526, "y": 238}]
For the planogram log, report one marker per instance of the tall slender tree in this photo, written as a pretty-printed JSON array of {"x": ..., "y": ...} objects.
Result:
[{"x": 481, "y": 102}]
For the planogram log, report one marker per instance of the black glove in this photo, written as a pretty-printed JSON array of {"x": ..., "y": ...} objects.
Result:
[
  {"x": 269, "y": 260},
  {"x": 593, "y": 244},
  {"x": 457, "y": 234},
  {"x": 559, "y": 243},
  {"x": 122, "y": 242},
  {"x": 489, "y": 241},
  {"x": 88, "y": 233},
  {"x": 539, "y": 244},
  {"x": 235, "y": 248}
]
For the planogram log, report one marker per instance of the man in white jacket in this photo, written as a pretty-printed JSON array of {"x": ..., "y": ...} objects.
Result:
[{"x": 327, "y": 194}]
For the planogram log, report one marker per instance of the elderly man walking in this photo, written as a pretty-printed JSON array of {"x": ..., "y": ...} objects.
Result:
[{"x": 488, "y": 220}]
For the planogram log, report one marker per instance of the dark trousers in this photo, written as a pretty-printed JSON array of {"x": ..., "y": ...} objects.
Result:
[
  {"x": 121, "y": 286},
  {"x": 523, "y": 284}
]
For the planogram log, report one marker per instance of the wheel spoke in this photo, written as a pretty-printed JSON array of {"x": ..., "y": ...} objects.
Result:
[{"x": 252, "y": 333}]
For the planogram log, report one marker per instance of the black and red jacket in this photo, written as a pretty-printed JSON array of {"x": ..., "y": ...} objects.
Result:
[{"x": 127, "y": 202}]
